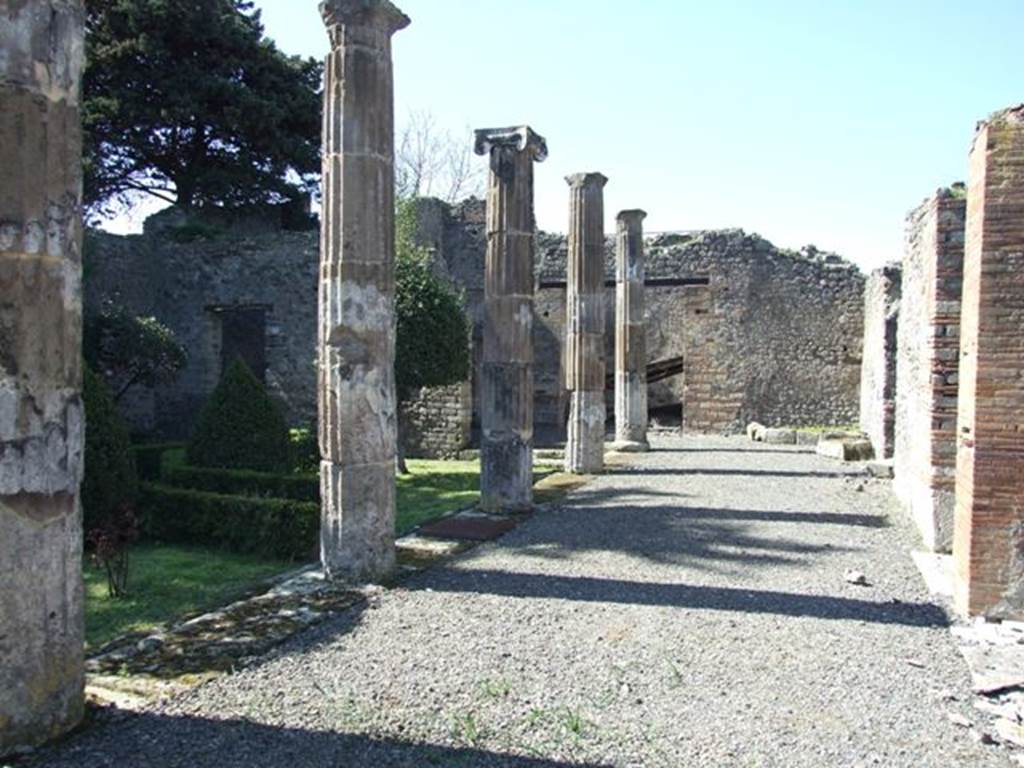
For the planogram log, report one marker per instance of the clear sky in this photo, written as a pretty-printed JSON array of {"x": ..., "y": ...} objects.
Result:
[{"x": 808, "y": 121}]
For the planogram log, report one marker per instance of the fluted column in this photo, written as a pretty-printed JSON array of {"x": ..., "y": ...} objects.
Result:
[
  {"x": 506, "y": 446},
  {"x": 630, "y": 334},
  {"x": 41, "y": 411},
  {"x": 584, "y": 344},
  {"x": 357, "y": 405}
]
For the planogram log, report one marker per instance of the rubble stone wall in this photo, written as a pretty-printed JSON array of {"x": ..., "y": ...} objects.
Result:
[{"x": 436, "y": 421}]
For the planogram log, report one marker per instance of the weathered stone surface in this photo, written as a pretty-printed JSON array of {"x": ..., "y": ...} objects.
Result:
[
  {"x": 988, "y": 539},
  {"x": 878, "y": 372},
  {"x": 41, "y": 416},
  {"x": 506, "y": 386},
  {"x": 845, "y": 448},
  {"x": 755, "y": 431},
  {"x": 927, "y": 362},
  {"x": 585, "y": 325},
  {"x": 356, "y": 298},
  {"x": 630, "y": 334},
  {"x": 779, "y": 436}
]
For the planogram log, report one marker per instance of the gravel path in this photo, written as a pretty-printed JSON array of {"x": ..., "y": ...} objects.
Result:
[{"x": 690, "y": 611}]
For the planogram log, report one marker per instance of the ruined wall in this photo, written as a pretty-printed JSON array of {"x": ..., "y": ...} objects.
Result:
[
  {"x": 436, "y": 421},
  {"x": 878, "y": 373},
  {"x": 927, "y": 362},
  {"x": 988, "y": 545},
  {"x": 41, "y": 410},
  {"x": 193, "y": 287}
]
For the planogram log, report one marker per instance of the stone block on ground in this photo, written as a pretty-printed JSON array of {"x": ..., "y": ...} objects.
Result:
[
  {"x": 755, "y": 431},
  {"x": 881, "y": 468},
  {"x": 807, "y": 437},
  {"x": 779, "y": 436},
  {"x": 846, "y": 448}
]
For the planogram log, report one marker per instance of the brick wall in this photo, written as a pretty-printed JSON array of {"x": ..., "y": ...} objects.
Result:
[
  {"x": 878, "y": 371},
  {"x": 927, "y": 363},
  {"x": 988, "y": 544}
]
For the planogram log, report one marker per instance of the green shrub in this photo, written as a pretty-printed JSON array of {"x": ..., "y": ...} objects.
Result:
[
  {"x": 278, "y": 528},
  {"x": 241, "y": 427},
  {"x": 305, "y": 450},
  {"x": 149, "y": 458},
  {"x": 244, "y": 482},
  {"x": 110, "y": 484}
]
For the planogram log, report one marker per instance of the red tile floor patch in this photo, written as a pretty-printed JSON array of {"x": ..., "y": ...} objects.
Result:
[{"x": 471, "y": 528}]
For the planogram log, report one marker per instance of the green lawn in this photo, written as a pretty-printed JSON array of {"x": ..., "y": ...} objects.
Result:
[{"x": 166, "y": 583}]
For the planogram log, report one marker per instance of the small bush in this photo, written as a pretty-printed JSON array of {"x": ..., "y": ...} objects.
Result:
[
  {"x": 278, "y": 528},
  {"x": 110, "y": 483},
  {"x": 241, "y": 427},
  {"x": 149, "y": 458},
  {"x": 244, "y": 482},
  {"x": 110, "y": 542},
  {"x": 305, "y": 450}
]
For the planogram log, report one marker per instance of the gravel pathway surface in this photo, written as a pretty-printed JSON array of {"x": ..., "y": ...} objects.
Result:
[{"x": 692, "y": 610}]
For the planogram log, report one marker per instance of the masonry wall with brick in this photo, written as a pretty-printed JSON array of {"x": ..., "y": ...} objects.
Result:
[
  {"x": 878, "y": 372},
  {"x": 436, "y": 421},
  {"x": 988, "y": 546},
  {"x": 927, "y": 365}
]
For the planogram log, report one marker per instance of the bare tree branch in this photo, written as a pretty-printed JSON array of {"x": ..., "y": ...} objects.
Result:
[{"x": 430, "y": 161}]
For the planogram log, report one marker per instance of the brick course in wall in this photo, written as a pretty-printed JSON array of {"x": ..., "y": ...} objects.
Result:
[
  {"x": 878, "y": 372},
  {"x": 928, "y": 355},
  {"x": 988, "y": 546}
]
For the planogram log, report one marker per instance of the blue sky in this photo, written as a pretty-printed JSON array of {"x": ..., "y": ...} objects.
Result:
[{"x": 808, "y": 122}]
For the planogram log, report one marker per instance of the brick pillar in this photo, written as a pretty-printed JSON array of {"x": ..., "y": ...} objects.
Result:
[
  {"x": 41, "y": 413},
  {"x": 988, "y": 543},
  {"x": 357, "y": 292},
  {"x": 506, "y": 444},
  {"x": 927, "y": 362},
  {"x": 630, "y": 335},
  {"x": 878, "y": 370},
  {"x": 584, "y": 343}
]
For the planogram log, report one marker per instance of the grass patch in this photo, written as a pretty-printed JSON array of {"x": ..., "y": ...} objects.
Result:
[{"x": 166, "y": 583}]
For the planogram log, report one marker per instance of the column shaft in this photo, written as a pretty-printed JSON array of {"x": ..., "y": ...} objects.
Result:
[
  {"x": 357, "y": 403},
  {"x": 584, "y": 347},
  {"x": 630, "y": 335},
  {"x": 41, "y": 412},
  {"x": 506, "y": 448}
]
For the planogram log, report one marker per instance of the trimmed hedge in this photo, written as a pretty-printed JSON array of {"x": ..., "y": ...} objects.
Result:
[
  {"x": 110, "y": 483},
  {"x": 149, "y": 458},
  {"x": 279, "y": 528},
  {"x": 244, "y": 482}
]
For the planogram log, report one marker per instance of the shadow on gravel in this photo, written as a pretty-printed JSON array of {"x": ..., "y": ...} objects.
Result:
[
  {"x": 762, "y": 516},
  {"x": 152, "y": 740},
  {"x": 588, "y": 589},
  {"x": 640, "y": 471},
  {"x": 781, "y": 451}
]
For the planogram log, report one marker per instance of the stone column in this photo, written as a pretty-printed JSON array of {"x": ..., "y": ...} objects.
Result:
[
  {"x": 41, "y": 412},
  {"x": 630, "y": 335},
  {"x": 357, "y": 293},
  {"x": 506, "y": 392},
  {"x": 878, "y": 368},
  {"x": 584, "y": 343},
  {"x": 988, "y": 529}
]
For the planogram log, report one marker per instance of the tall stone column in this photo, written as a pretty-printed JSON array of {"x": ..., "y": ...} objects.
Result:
[
  {"x": 988, "y": 527},
  {"x": 506, "y": 446},
  {"x": 584, "y": 343},
  {"x": 41, "y": 413},
  {"x": 630, "y": 335},
  {"x": 357, "y": 404}
]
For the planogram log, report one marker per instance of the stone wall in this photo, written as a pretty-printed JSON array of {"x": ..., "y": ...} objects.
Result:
[
  {"x": 927, "y": 362},
  {"x": 194, "y": 287},
  {"x": 878, "y": 373},
  {"x": 436, "y": 421},
  {"x": 766, "y": 334}
]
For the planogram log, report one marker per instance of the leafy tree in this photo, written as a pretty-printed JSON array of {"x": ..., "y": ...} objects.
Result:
[
  {"x": 432, "y": 337},
  {"x": 241, "y": 427},
  {"x": 188, "y": 102},
  {"x": 130, "y": 350},
  {"x": 110, "y": 485}
]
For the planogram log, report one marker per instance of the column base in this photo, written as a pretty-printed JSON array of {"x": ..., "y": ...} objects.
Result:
[{"x": 629, "y": 446}]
